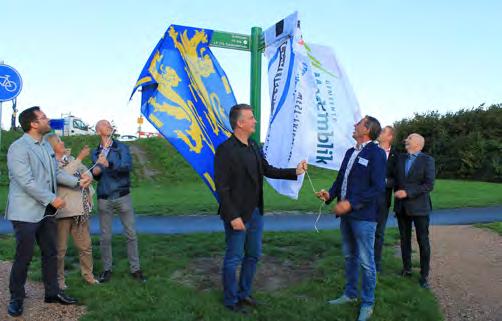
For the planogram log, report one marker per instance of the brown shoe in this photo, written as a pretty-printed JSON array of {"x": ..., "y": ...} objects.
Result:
[
  {"x": 249, "y": 301},
  {"x": 138, "y": 275}
]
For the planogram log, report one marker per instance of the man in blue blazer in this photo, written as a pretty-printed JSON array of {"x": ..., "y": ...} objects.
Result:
[
  {"x": 32, "y": 204},
  {"x": 414, "y": 179},
  {"x": 359, "y": 184}
]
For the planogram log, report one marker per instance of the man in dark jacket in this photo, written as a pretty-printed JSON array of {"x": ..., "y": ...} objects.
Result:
[
  {"x": 414, "y": 180},
  {"x": 385, "y": 142},
  {"x": 112, "y": 168},
  {"x": 239, "y": 167},
  {"x": 359, "y": 184}
]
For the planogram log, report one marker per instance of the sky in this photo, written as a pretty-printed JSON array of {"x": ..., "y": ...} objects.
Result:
[{"x": 401, "y": 57}]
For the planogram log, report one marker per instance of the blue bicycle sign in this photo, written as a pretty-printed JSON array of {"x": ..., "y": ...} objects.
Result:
[{"x": 10, "y": 83}]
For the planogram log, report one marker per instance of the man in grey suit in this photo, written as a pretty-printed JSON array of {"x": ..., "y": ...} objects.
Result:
[
  {"x": 32, "y": 204},
  {"x": 414, "y": 180}
]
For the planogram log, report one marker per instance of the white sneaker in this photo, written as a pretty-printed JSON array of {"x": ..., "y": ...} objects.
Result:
[
  {"x": 93, "y": 282},
  {"x": 342, "y": 300},
  {"x": 365, "y": 313}
]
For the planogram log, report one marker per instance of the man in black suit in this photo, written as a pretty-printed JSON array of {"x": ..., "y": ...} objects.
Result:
[
  {"x": 385, "y": 142},
  {"x": 239, "y": 167},
  {"x": 414, "y": 180}
]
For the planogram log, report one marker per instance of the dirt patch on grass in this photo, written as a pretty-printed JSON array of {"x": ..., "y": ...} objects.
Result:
[
  {"x": 34, "y": 307},
  {"x": 272, "y": 273},
  {"x": 147, "y": 172}
]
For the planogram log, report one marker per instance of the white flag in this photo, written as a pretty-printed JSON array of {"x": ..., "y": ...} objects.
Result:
[
  {"x": 289, "y": 136},
  {"x": 337, "y": 109},
  {"x": 313, "y": 108}
]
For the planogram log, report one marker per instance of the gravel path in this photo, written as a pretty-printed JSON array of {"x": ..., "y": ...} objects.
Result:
[
  {"x": 34, "y": 307},
  {"x": 466, "y": 272}
]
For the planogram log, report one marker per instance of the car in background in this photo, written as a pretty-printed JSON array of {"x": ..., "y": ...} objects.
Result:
[{"x": 127, "y": 138}]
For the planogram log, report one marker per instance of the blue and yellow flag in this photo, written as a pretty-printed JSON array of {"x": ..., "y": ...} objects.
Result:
[{"x": 187, "y": 97}]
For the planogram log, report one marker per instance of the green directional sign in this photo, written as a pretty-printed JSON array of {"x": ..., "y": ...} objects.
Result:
[
  {"x": 255, "y": 44},
  {"x": 230, "y": 40}
]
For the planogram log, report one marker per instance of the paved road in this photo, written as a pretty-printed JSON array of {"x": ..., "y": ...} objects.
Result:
[{"x": 279, "y": 221}]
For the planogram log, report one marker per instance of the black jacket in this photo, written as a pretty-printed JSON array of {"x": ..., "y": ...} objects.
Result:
[
  {"x": 389, "y": 178},
  {"x": 418, "y": 184},
  {"x": 234, "y": 183}
]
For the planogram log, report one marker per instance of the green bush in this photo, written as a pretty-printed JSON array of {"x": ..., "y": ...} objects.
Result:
[{"x": 466, "y": 144}]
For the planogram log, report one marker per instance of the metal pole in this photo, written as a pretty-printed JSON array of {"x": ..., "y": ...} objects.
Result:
[{"x": 255, "y": 96}]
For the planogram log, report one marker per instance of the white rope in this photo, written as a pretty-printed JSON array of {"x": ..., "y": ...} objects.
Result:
[
  {"x": 106, "y": 144},
  {"x": 310, "y": 180},
  {"x": 320, "y": 206},
  {"x": 319, "y": 216}
]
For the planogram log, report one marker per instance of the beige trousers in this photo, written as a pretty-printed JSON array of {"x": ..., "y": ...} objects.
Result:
[{"x": 82, "y": 241}]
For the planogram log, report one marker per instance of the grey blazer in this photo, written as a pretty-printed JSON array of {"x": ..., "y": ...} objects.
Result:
[{"x": 31, "y": 177}]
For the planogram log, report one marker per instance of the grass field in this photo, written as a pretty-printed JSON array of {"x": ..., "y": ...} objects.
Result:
[
  {"x": 496, "y": 226},
  {"x": 194, "y": 197},
  {"x": 167, "y": 297},
  {"x": 176, "y": 189}
]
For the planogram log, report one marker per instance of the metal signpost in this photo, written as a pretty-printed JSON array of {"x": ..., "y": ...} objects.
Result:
[
  {"x": 254, "y": 44},
  {"x": 10, "y": 87}
]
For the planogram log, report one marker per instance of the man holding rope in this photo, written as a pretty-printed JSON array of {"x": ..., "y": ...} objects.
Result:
[
  {"x": 32, "y": 205},
  {"x": 113, "y": 164},
  {"x": 359, "y": 184},
  {"x": 239, "y": 167}
]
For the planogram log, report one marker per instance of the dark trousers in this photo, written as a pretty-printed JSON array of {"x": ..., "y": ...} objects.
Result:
[
  {"x": 383, "y": 214},
  {"x": 422, "y": 230},
  {"x": 44, "y": 233}
]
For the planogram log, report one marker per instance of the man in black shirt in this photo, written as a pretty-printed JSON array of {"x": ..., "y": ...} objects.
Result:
[
  {"x": 239, "y": 167},
  {"x": 385, "y": 142}
]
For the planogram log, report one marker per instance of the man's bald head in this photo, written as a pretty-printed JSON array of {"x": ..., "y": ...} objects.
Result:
[
  {"x": 414, "y": 143},
  {"x": 104, "y": 128}
]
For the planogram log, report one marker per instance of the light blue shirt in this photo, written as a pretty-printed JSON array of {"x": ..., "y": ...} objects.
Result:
[
  {"x": 409, "y": 162},
  {"x": 352, "y": 159}
]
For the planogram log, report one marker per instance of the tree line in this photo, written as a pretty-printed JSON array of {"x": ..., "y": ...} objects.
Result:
[{"x": 466, "y": 144}]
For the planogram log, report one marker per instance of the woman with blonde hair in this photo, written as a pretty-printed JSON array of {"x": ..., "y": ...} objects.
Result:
[{"x": 74, "y": 217}]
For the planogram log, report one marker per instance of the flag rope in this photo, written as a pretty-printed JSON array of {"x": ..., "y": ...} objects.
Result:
[{"x": 320, "y": 206}]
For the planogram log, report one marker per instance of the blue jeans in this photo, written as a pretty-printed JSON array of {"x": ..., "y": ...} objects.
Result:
[
  {"x": 243, "y": 247},
  {"x": 358, "y": 249}
]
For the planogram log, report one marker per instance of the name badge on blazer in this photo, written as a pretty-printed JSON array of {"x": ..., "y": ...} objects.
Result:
[{"x": 362, "y": 161}]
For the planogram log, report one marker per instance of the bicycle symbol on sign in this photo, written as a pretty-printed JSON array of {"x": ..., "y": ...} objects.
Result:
[{"x": 9, "y": 85}]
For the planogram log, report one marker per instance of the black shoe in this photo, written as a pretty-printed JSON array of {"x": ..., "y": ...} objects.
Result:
[
  {"x": 15, "y": 308},
  {"x": 105, "y": 276},
  {"x": 406, "y": 273},
  {"x": 237, "y": 308},
  {"x": 424, "y": 283},
  {"x": 138, "y": 275},
  {"x": 249, "y": 301},
  {"x": 61, "y": 298}
]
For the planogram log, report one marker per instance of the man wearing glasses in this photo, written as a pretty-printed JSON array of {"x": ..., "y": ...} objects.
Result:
[{"x": 32, "y": 205}]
